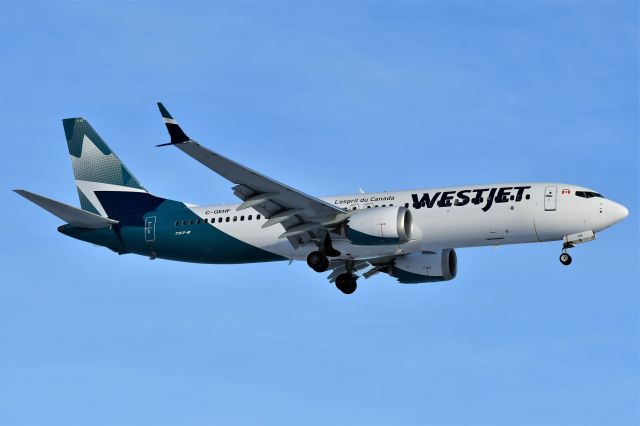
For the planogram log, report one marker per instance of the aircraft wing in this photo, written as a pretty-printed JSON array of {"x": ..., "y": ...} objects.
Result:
[
  {"x": 72, "y": 215},
  {"x": 303, "y": 216}
]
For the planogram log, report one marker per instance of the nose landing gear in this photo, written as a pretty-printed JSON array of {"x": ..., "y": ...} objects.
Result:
[
  {"x": 565, "y": 258},
  {"x": 570, "y": 241}
]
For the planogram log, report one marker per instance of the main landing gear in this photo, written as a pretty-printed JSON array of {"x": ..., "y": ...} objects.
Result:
[
  {"x": 565, "y": 258},
  {"x": 318, "y": 261},
  {"x": 346, "y": 283}
]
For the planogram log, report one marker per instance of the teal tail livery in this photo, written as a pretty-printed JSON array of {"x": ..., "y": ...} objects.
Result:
[
  {"x": 95, "y": 167},
  {"x": 410, "y": 235}
]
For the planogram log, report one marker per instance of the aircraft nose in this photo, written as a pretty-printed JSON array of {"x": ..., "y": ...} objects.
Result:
[{"x": 618, "y": 212}]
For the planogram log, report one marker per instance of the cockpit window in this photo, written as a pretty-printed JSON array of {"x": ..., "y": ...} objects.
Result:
[{"x": 588, "y": 194}]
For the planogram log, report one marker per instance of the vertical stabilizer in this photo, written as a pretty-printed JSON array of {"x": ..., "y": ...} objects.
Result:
[{"x": 96, "y": 168}]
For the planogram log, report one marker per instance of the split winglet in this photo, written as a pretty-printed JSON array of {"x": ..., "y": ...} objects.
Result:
[{"x": 177, "y": 134}]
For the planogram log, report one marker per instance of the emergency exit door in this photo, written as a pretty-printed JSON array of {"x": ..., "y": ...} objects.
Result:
[{"x": 550, "y": 194}]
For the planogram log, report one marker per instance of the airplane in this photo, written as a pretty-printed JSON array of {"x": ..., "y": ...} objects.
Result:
[{"x": 410, "y": 235}]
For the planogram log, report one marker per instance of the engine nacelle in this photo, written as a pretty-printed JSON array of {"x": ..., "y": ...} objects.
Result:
[
  {"x": 416, "y": 268},
  {"x": 379, "y": 226}
]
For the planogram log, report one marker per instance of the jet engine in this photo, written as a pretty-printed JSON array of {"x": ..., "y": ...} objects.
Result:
[
  {"x": 425, "y": 267},
  {"x": 378, "y": 226}
]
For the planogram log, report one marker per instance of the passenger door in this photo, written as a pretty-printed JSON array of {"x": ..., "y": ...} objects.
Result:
[
  {"x": 550, "y": 193},
  {"x": 150, "y": 229}
]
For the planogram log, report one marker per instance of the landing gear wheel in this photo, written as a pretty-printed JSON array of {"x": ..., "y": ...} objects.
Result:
[
  {"x": 346, "y": 283},
  {"x": 318, "y": 261},
  {"x": 565, "y": 259}
]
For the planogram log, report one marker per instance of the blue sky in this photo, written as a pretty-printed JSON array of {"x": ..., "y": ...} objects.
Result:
[{"x": 328, "y": 97}]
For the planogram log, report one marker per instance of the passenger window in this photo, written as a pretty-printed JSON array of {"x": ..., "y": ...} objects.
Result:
[
  {"x": 184, "y": 223},
  {"x": 528, "y": 196},
  {"x": 241, "y": 218},
  {"x": 258, "y": 217},
  {"x": 512, "y": 198},
  {"x": 227, "y": 219},
  {"x": 198, "y": 222},
  {"x": 235, "y": 218},
  {"x": 249, "y": 217},
  {"x": 177, "y": 223},
  {"x": 219, "y": 219},
  {"x": 191, "y": 222},
  {"x": 406, "y": 205}
]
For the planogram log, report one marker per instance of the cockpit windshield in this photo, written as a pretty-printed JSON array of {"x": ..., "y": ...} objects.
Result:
[{"x": 588, "y": 194}]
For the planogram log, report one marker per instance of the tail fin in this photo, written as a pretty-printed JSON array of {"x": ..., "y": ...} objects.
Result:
[{"x": 96, "y": 168}]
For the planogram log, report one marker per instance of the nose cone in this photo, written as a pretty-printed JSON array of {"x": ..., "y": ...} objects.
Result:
[{"x": 618, "y": 212}]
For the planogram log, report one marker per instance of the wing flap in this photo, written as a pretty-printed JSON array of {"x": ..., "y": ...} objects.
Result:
[
  {"x": 72, "y": 215},
  {"x": 340, "y": 268}
]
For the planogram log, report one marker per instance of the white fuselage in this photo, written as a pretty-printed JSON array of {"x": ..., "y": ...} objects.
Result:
[{"x": 446, "y": 218}]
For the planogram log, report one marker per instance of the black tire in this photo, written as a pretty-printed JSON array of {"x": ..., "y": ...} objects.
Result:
[
  {"x": 346, "y": 283},
  {"x": 565, "y": 259},
  {"x": 318, "y": 261}
]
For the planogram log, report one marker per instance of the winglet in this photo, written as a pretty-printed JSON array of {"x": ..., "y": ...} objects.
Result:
[{"x": 176, "y": 133}]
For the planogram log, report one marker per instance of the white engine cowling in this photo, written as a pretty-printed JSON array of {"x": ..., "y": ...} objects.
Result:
[
  {"x": 426, "y": 267},
  {"x": 379, "y": 226}
]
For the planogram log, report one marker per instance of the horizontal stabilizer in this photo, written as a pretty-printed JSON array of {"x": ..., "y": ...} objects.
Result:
[{"x": 72, "y": 215}]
